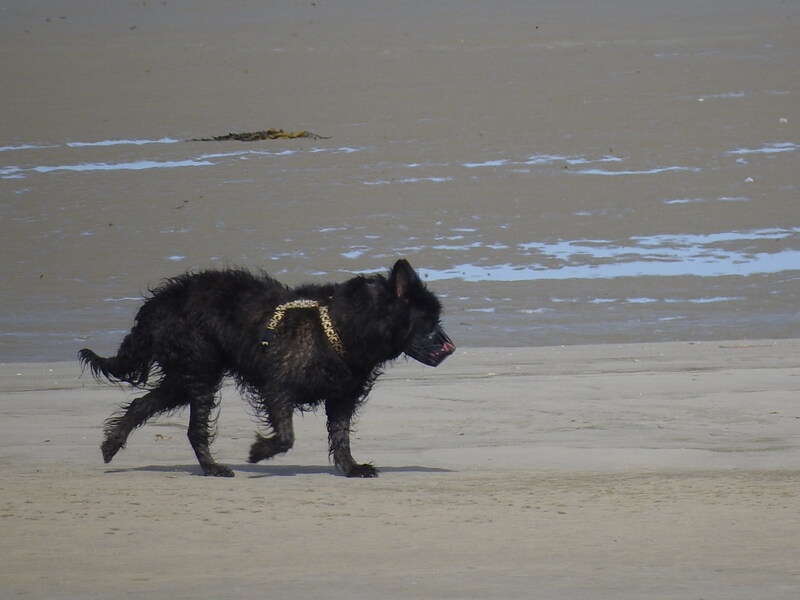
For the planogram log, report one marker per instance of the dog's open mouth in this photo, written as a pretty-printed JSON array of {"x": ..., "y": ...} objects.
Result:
[{"x": 431, "y": 349}]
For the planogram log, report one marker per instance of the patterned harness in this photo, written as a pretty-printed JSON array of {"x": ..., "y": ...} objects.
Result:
[{"x": 324, "y": 317}]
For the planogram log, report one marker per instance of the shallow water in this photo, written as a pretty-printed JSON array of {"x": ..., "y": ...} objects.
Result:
[
  {"x": 573, "y": 189},
  {"x": 503, "y": 283}
]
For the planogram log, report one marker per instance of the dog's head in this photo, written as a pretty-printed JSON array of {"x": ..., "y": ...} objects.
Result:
[
  {"x": 426, "y": 340},
  {"x": 381, "y": 317}
]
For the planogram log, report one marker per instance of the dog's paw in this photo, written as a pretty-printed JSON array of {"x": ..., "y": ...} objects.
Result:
[
  {"x": 264, "y": 448},
  {"x": 109, "y": 449},
  {"x": 260, "y": 451},
  {"x": 217, "y": 471},
  {"x": 365, "y": 470}
]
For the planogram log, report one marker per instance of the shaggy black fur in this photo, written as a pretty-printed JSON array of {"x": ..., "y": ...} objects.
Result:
[{"x": 196, "y": 329}]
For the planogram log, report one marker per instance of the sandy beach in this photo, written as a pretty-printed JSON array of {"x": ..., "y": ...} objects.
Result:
[
  {"x": 615, "y": 471},
  {"x": 603, "y": 193}
]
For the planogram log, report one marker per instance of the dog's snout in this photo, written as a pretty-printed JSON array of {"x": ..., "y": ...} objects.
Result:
[{"x": 431, "y": 349}]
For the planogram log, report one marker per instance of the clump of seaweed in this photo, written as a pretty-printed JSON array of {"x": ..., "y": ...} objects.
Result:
[{"x": 269, "y": 134}]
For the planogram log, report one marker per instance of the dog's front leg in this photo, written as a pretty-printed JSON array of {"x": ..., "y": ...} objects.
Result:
[{"x": 339, "y": 422}]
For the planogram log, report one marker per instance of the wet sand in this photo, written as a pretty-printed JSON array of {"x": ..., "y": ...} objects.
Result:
[
  {"x": 468, "y": 138},
  {"x": 613, "y": 471}
]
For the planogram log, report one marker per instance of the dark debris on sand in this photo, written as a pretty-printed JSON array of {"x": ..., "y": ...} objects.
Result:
[{"x": 269, "y": 134}]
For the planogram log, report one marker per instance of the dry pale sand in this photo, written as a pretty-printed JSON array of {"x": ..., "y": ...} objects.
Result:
[{"x": 633, "y": 471}]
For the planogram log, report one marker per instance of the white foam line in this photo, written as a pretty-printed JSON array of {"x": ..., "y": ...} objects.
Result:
[
  {"x": 767, "y": 149},
  {"x": 11, "y": 172},
  {"x": 645, "y": 172},
  {"x": 164, "y": 140},
  {"x": 487, "y": 163},
  {"x": 760, "y": 263},
  {"x": 24, "y": 147},
  {"x": 408, "y": 180}
]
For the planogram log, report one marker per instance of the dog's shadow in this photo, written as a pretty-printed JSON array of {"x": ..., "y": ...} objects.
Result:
[{"x": 273, "y": 470}]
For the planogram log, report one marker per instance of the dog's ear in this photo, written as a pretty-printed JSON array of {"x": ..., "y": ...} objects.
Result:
[{"x": 403, "y": 277}]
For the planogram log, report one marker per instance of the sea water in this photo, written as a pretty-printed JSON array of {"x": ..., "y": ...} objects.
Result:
[{"x": 525, "y": 247}]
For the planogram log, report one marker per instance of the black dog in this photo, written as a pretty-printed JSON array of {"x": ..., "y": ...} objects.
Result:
[{"x": 286, "y": 348}]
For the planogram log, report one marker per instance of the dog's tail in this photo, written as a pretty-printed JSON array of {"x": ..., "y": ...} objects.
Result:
[{"x": 132, "y": 364}]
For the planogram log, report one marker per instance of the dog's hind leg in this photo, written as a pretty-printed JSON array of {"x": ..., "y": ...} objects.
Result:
[
  {"x": 201, "y": 433},
  {"x": 279, "y": 418},
  {"x": 339, "y": 423},
  {"x": 118, "y": 427}
]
